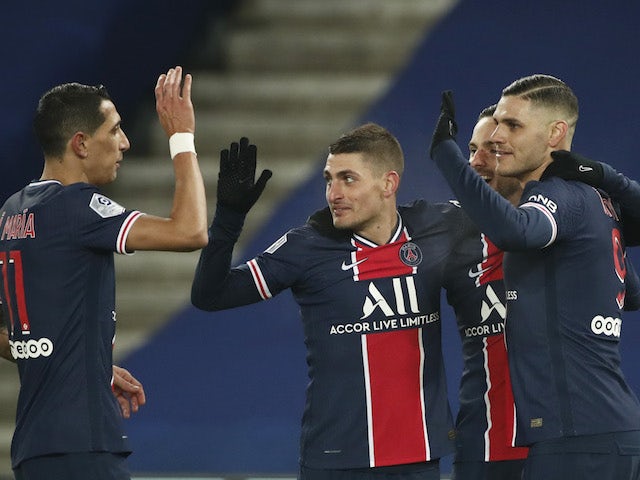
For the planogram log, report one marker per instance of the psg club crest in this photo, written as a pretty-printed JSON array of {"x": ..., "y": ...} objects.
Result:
[{"x": 410, "y": 254}]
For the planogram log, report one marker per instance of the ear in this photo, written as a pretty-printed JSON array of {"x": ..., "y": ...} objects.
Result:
[
  {"x": 558, "y": 133},
  {"x": 391, "y": 183},
  {"x": 78, "y": 144}
]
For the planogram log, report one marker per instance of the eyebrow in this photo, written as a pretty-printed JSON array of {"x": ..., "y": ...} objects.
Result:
[{"x": 341, "y": 173}]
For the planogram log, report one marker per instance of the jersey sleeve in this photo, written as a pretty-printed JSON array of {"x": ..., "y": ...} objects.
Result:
[
  {"x": 217, "y": 286},
  {"x": 626, "y": 193},
  {"x": 531, "y": 225},
  {"x": 101, "y": 223}
]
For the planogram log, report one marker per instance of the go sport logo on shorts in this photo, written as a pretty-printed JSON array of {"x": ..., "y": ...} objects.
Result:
[
  {"x": 31, "y": 348},
  {"x": 609, "y": 326}
]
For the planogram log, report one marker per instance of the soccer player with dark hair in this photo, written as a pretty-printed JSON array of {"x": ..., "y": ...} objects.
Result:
[
  {"x": 565, "y": 271},
  {"x": 485, "y": 419},
  {"x": 367, "y": 275},
  {"x": 57, "y": 239}
]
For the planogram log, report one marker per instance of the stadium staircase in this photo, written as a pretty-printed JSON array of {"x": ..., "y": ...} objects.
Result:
[{"x": 291, "y": 75}]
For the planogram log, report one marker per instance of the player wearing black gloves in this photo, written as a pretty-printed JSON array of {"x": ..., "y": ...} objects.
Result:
[
  {"x": 367, "y": 275},
  {"x": 237, "y": 188},
  {"x": 574, "y": 408}
]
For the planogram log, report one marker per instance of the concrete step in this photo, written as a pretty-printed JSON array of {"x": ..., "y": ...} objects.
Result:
[
  {"x": 328, "y": 36},
  {"x": 296, "y": 135},
  {"x": 153, "y": 175},
  {"x": 303, "y": 50},
  {"x": 410, "y": 13},
  {"x": 278, "y": 93}
]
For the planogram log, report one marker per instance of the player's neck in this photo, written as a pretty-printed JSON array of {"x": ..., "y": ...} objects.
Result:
[
  {"x": 381, "y": 230},
  {"x": 57, "y": 169}
]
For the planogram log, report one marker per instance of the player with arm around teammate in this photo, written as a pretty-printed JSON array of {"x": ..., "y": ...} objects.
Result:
[
  {"x": 574, "y": 408},
  {"x": 367, "y": 275},
  {"x": 485, "y": 419},
  {"x": 57, "y": 239}
]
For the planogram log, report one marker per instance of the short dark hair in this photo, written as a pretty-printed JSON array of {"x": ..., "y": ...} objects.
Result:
[
  {"x": 547, "y": 91},
  {"x": 376, "y": 143},
  {"x": 487, "y": 112},
  {"x": 65, "y": 110}
]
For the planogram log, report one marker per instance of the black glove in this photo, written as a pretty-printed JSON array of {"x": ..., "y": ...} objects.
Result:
[
  {"x": 573, "y": 166},
  {"x": 237, "y": 188},
  {"x": 446, "y": 128}
]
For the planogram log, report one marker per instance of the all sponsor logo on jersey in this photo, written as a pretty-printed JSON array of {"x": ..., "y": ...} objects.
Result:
[
  {"x": 42, "y": 347},
  {"x": 490, "y": 304},
  {"x": 401, "y": 312},
  {"x": 606, "y": 325}
]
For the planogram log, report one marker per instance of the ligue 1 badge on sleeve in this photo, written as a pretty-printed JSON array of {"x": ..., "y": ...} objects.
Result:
[
  {"x": 410, "y": 254},
  {"x": 105, "y": 207}
]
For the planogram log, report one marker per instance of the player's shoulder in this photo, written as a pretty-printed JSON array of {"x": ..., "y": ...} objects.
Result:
[
  {"x": 555, "y": 192},
  {"x": 320, "y": 225},
  {"x": 556, "y": 186},
  {"x": 428, "y": 213}
]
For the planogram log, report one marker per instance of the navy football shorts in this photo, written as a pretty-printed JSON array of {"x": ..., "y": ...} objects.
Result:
[
  {"x": 479, "y": 470},
  {"x": 609, "y": 456},
  {"x": 413, "y": 471},
  {"x": 75, "y": 466}
]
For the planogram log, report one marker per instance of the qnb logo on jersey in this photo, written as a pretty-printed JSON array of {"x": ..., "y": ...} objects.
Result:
[
  {"x": 550, "y": 204},
  {"x": 31, "y": 348},
  {"x": 606, "y": 325}
]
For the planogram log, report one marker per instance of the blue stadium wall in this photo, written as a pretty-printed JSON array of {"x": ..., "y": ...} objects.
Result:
[{"x": 226, "y": 390}]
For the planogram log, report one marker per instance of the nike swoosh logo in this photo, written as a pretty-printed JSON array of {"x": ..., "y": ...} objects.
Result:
[
  {"x": 584, "y": 168},
  {"x": 349, "y": 266},
  {"x": 478, "y": 272}
]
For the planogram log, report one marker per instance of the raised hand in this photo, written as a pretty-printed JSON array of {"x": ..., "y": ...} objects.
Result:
[
  {"x": 237, "y": 188},
  {"x": 173, "y": 102},
  {"x": 446, "y": 127}
]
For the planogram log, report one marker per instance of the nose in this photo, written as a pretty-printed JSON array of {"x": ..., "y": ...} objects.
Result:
[
  {"x": 496, "y": 135},
  {"x": 333, "y": 192},
  {"x": 124, "y": 142},
  {"x": 477, "y": 159}
]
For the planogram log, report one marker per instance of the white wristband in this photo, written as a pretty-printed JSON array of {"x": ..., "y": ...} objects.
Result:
[{"x": 181, "y": 142}]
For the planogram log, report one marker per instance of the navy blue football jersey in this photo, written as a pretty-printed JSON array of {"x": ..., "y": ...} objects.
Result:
[
  {"x": 485, "y": 423},
  {"x": 371, "y": 316},
  {"x": 565, "y": 274},
  {"x": 58, "y": 292}
]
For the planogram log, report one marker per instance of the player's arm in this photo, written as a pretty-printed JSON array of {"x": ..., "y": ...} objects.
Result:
[
  {"x": 508, "y": 227},
  {"x": 216, "y": 285},
  {"x": 626, "y": 192},
  {"x": 128, "y": 391},
  {"x": 186, "y": 227},
  {"x": 5, "y": 348}
]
